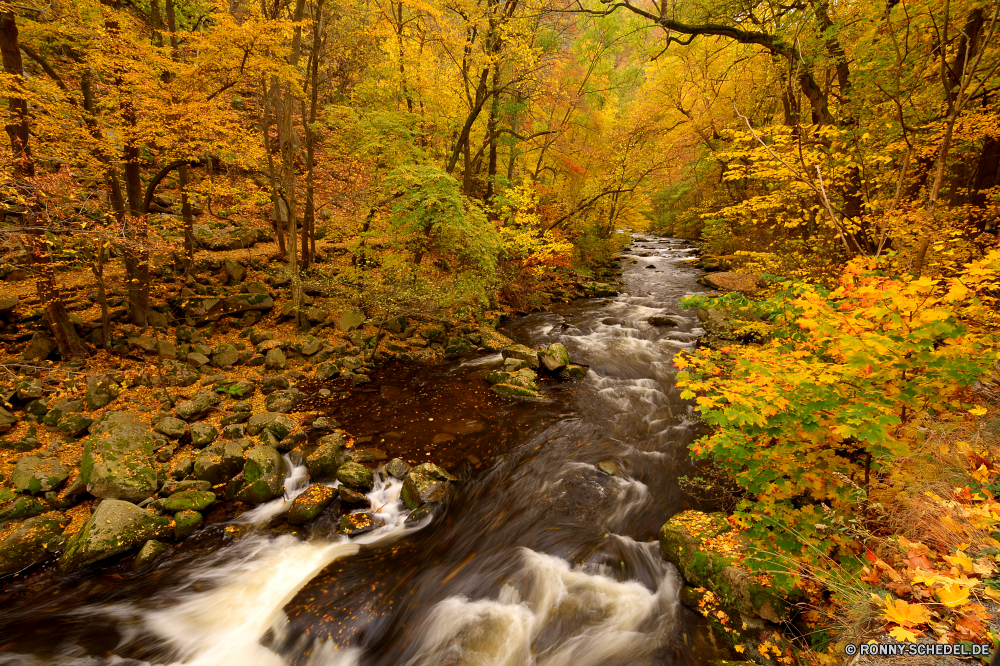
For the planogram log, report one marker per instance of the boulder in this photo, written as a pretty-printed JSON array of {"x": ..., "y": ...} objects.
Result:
[
  {"x": 39, "y": 348},
  {"x": 229, "y": 238},
  {"x": 225, "y": 356},
  {"x": 219, "y": 462},
  {"x": 310, "y": 503},
  {"x": 172, "y": 428},
  {"x": 275, "y": 360},
  {"x": 30, "y": 543},
  {"x": 7, "y": 304},
  {"x": 356, "y": 476},
  {"x": 109, "y": 420},
  {"x": 746, "y": 283},
  {"x": 523, "y": 353},
  {"x": 152, "y": 345},
  {"x": 198, "y": 406},
  {"x": 607, "y": 467},
  {"x": 283, "y": 401},
  {"x": 189, "y": 500},
  {"x": 203, "y": 434},
  {"x": 660, "y": 320},
  {"x": 7, "y": 420},
  {"x": 328, "y": 456},
  {"x": 325, "y": 371},
  {"x": 458, "y": 347},
  {"x": 397, "y": 468},
  {"x": 21, "y": 508},
  {"x": 308, "y": 346},
  {"x": 573, "y": 372},
  {"x": 186, "y": 523},
  {"x": 350, "y": 321},
  {"x": 425, "y": 484},
  {"x": 74, "y": 425},
  {"x": 517, "y": 392},
  {"x": 101, "y": 391},
  {"x": 38, "y": 475},
  {"x": 351, "y": 496},
  {"x": 598, "y": 289},
  {"x": 234, "y": 271},
  {"x": 354, "y": 524},
  {"x": 115, "y": 527},
  {"x": 151, "y": 550},
  {"x": 554, "y": 357},
  {"x": 118, "y": 463},
  {"x": 262, "y": 478},
  {"x": 493, "y": 341}
]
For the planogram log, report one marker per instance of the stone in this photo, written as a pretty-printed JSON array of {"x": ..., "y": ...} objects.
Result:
[
  {"x": 109, "y": 420},
  {"x": 599, "y": 289},
  {"x": 681, "y": 540},
  {"x": 607, "y": 467},
  {"x": 512, "y": 365},
  {"x": 262, "y": 478},
  {"x": 39, "y": 348},
  {"x": 397, "y": 468},
  {"x": 272, "y": 384},
  {"x": 458, "y": 347},
  {"x": 523, "y": 353},
  {"x": 243, "y": 388},
  {"x": 281, "y": 426},
  {"x": 203, "y": 434},
  {"x": 118, "y": 463},
  {"x": 367, "y": 455},
  {"x": 573, "y": 372},
  {"x": 310, "y": 503},
  {"x": 219, "y": 462},
  {"x": 356, "y": 476},
  {"x": 101, "y": 391},
  {"x": 38, "y": 475},
  {"x": 554, "y": 357},
  {"x": 326, "y": 371},
  {"x": 153, "y": 345},
  {"x": 225, "y": 356},
  {"x": 259, "y": 422},
  {"x": 351, "y": 496},
  {"x": 189, "y": 484},
  {"x": 234, "y": 270},
  {"x": 165, "y": 453},
  {"x": 425, "y": 484},
  {"x": 198, "y": 406},
  {"x": 180, "y": 468},
  {"x": 189, "y": 500},
  {"x": 275, "y": 360},
  {"x": 228, "y": 238},
  {"x": 350, "y": 321},
  {"x": 309, "y": 345},
  {"x": 234, "y": 431},
  {"x": 515, "y": 392},
  {"x": 499, "y": 377},
  {"x": 151, "y": 550},
  {"x": 328, "y": 456},
  {"x": 74, "y": 425},
  {"x": 186, "y": 523},
  {"x": 115, "y": 527},
  {"x": 7, "y": 420},
  {"x": 21, "y": 508},
  {"x": 197, "y": 360},
  {"x": 30, "y": 543},
  {"x": 354, "y": 524},
  {"x": 432, "y": 333},
  {"x": 172, "y": 428},
  {"x": 8, "y": 303},
  {"x": 746, "y": 283},
  {"x": 351, "y": 363},
  {"x": 659, "y": 320},
  {"x": 283, "y": 401}
]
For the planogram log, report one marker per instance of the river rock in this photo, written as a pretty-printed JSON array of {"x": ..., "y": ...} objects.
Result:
[
  {"x": 599, "y": 289},
  {"x": 660, "y": 320},
  {"x": 308, "y": 346},
  {"x": 354, "y": 524},
  {"x": 228, "y": 238},
  {"x": 554, "y": 357},
  {"x": 219, "y": 462},
  {"x": 151, "y": 550},
  {"x": 521, "y": 352},
  {"x": 180, "y": 467},
  {"x": 30, "y": 543},
  {"x": 172, "y": 428},
  {"x": 198, "y": 406},
  {"x": 681, "y": 540},
  {"x": 115, "y": 527},
  {"x": 458, "y": 347},
  {"x": 518, "y": 392},
  {"x": 425, "y": 484},
  {"x": 262, "y": 478},
  {"x": 356, "y": 476},
  {"x": 283, "y": 401},
  {"x": 367, "y": 455},
  {"x": 397, "y": 468},
  {"x": 512, "y": 365},
  {"x": 328, "y": 456},
  {"x": 187, "y": 523},
  {"x": 21, "y": 508},
  {"x": 101, "y": 391},
  {"x": 573, "y": 372},
  {"x": 351, "y": 496},
  {"x": 259, "y": 422},
  {"x": 118, "y": 463},
  {"x": 203, "y": 434},
  {"x": 189, "y": 500},
  {"x": 38, "y": 475},
  {"x": 492, "y": 340},
  {"x": 310, "y": 503},
  {"x": 275, "y": 360},
  {"x": 607, "y": 467}
]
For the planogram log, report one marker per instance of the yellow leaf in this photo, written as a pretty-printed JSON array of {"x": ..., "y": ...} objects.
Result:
[
  {"x": 978, "y": 411},
  {"x": 961, "y": 560},
  {"x": 904, "y": 635},
  {"x": 902, "y": 613},
  {"x": 992, "y": 593},
  {"x": 953, "y": 595}
]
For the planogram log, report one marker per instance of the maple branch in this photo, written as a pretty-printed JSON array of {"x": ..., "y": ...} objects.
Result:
[
  {"x": 587, "y": 204},
  {"x": 160, "y": 175},
  {"x": 47, "y": 68}
]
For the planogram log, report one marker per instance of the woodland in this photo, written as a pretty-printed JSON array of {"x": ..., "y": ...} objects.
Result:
[{"x": 467, "y": 159}]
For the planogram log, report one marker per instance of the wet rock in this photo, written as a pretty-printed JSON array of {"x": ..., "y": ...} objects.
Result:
[
  {"x": 118, "y": 463},
  {"x": 39, "y": 348},
  {"x": 354, "y": 524},
  {"x": 30, "y": 543},
  {"x": 523, "y": 353},
  {"x": 350, "y": 496},
  {"x": 350, "y": 321},
  {"x": 186, "y": 523},
  {"x": 283, "y": 401},
  {"x": 115, "y": 527},
  {"x": 397, "y": 468},
  {"x": 607, "y": 467},
  {"x": 151, "y": 550},
  {"x": 101, "y": 391},
  {"x": 599, "y": 289},
  {"x": 458, "y": 347},
  {"x": 512, "y": 365},
  {"x": 356, "y": 476},
  {"x": 198, "y": 406},
  {"x": 172, "y": 428},
  {"x": 38, "y": 475},
  {"x": 21, "y": 508},
  {"x": 328, "y": 456},
  {"x": 74, "y": 425},
  {"x": 516, "y": 392},
  {"x": 660, "y": 320},
  {"x": 367, "y": 455},
  {"x": 554, "y": 357},
  {"x": 262, "y": 478},
  {"x": 189, "y": 484},
  {"x": 275, "y": 360},
  {"x": 234, "y": 271},
  {"x": 219, "y": 462},
  {"x": 203, "y": 434},
  {"x": 310, "y": 503},
  {"x": 573, "y": 372},
  {"x": 493, "y": 341},
  {"x": 189, "y": 500},
  {"x": 425, "y": 484}
]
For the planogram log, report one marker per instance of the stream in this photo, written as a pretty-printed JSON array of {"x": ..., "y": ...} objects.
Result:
[{"x": 541, "y": 559}]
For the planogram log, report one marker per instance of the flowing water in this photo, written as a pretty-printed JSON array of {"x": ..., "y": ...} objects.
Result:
[{"x": 541, "y": 559}]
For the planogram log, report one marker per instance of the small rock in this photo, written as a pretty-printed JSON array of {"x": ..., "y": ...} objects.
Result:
[
  {"x": 203, "y": 434},
  {"x": 180, "y": 468},
  {"x": 283, "y": 401},
  {"x": 186, "y": 523},
  {"x": 115, "y": 527},
  {"x": 573, "y": 372},
  {"x": 234, "y": 270},
  {"x": 172, "y": 428},
  {"x": 356, "y": 476},
  {"x": 198, "y": 406},
  {"x": 659, "y": 320},
  {"x": 397, "y": 468},
  {"x": 189, "y": 500},
  {"x": 225, "y": 356},
  {"x": 351, "y": 496},
  {"x": 327, "y": 458},
  {"x": 39, "y": 348},
  {"x": 607, "y": 467},
  {"x": 354, "y": 524},
  {"x": 554, "y": 357},
  {"x": 151, "y": 550},
  {"x": 275, "y": 360},
  {"x": 523, "y": 353},
  {"x": 74, "y": 425},
  {"x": 310, "y": 503},
  {"x": 101, "y": 391}
]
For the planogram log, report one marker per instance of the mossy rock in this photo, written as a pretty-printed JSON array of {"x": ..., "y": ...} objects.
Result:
[
  {"x": 29, "y": 544},
  {"x": 746, "y": 283},
  {"x": 151, "y": 550},
  {"x": 186, "y": 523},
  {"x": 119, "y": 463},
  {"x": 38, "y": 475},
  {"x": 262, "y": 478},
  {"x": 425, "y": 484},
  {"x": 515, "y": 392},
  {"x": 115, "y": 527},
  {"x": 572, "y": 371},
  {"x": 189, "y": 500},
  {"x": 681, "y": 540},
  {"x": 310, "y": 503},
  {"x": 327, "y": 457},
  {"x": 356, "y": 476}
]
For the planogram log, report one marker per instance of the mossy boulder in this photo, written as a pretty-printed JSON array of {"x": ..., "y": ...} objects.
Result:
[
  {"x": 36, "y": 475},
  {"x": 310, "y": 503},
  {"x": 119, "y": 463},
  {"x": 573, "y": 372},
  {"x": 189, "y": 500},
  {"x": 354, "y": 524},
  {"x": 203, "y": 434},
  {"x": 523, "y": 353},
  {"x": 516, "y": 392},
  {"x": 21, "y": 508},
  {"x": 554, "y": 357},
  {"x": 115, "y": 527},
  {"x": 425, "y": 484},
  {"x": 186, "y": 523},
  {"x": 198, "y": 406},
  {"x": 150, "y": 551},
  {"x": 458, "y": 347},
  {"x": 746, "y": 283},
  {"x": 262, "y": 478},
  {"x": 30, "y": 543},
  {"x": 356, "y": 476},
  {"x": 681, "y": 543},
  {"x": 398, "y": 468},
  {"x": 327, "y": 457}
]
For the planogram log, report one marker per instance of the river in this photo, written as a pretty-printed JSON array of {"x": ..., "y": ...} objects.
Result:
[{"x": 541, "y": 559}]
